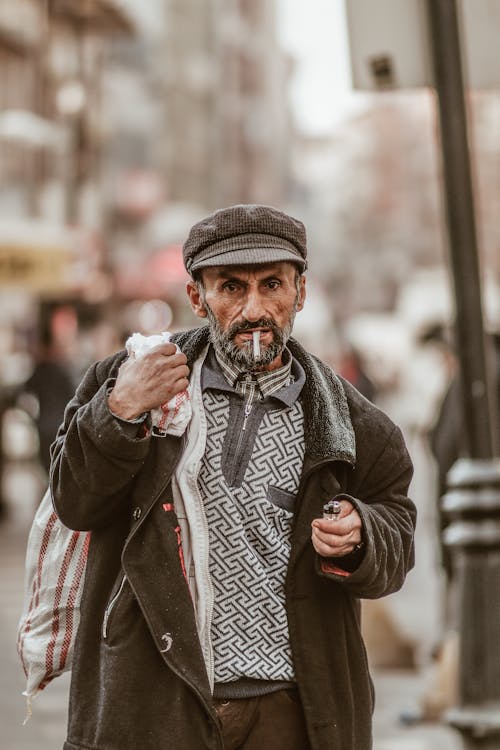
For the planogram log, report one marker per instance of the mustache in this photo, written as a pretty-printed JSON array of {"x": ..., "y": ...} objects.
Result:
[{"x": 246, "y": 325}]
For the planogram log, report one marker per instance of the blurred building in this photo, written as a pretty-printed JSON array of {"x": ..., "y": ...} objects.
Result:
[
  {"x": 121, "y": 123},
  {"x": 198, "y": 108},
  {"x": 371, "y": 196},
  {"x": 228, "y": 127},
  {"x": 50, "y": 67},
  {"x": 50, "y": 55},
  {"x": 22, "y": 129},
  {"x": 195, "y": 116}
]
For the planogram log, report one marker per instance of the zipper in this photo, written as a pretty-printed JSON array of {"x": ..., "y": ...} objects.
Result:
[
  {"x": 246, "y": 413},
  {"x": 110, "y": 608}
]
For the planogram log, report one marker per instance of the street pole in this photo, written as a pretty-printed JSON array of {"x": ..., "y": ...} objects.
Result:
[{"x": 472, "y": 501}]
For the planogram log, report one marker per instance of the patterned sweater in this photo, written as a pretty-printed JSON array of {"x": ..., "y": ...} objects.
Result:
[{"x": 248, "y": 480}]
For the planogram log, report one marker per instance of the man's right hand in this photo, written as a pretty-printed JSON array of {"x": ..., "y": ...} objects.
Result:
[{"x": 146, "y": 383}]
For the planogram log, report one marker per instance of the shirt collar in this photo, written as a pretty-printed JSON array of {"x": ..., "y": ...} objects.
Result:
[
  {"x": 266, "y": 381},
  {"x": 284, "y": 384}
]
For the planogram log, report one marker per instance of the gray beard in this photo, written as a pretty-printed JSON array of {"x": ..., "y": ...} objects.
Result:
[{"x": 243, "y": 358}]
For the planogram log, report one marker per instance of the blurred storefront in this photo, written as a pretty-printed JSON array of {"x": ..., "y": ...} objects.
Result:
[
  {"x": 50, "y": 62},
  {"x": 53, "y": 266}
]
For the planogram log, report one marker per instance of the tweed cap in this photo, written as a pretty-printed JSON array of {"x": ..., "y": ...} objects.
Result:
[{"x": 245, "y": 235}]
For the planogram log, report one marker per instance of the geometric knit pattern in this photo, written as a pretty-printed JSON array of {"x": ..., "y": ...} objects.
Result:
[{"x": 249, "y": 541}]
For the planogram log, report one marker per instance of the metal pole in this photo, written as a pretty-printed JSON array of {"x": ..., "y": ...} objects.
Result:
[
  {"x": 461, "y": 226},
  {"x": 472, "y": 502}
]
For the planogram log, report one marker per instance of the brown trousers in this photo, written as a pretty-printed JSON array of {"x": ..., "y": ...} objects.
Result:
[{"x": 274, "y": 721}]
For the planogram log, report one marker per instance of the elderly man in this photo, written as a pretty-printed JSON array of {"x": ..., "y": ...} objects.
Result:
[{"x": 221, "y": 610}]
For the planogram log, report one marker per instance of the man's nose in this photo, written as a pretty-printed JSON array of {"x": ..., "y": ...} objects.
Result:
[{"x": 253, "y": 308}]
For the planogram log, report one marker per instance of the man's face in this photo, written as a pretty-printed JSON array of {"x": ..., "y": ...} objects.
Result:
[{"x": 239, "y": 300}]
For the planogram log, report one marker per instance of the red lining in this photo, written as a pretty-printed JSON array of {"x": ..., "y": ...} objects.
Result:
[{"x": 327, "y": 567}]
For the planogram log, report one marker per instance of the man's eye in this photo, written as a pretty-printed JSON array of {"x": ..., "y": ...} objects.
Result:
[
  {"x": 273, "y": 284},
  {"x": 229, "y": 286}
]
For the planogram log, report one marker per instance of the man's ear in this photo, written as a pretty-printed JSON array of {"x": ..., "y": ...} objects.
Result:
[
  {"x": 302, "y": 293},
  {"x": 195, "y": 299}
]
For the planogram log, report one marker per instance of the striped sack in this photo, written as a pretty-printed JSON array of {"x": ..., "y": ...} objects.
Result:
[{"x": 54, "y": 576}]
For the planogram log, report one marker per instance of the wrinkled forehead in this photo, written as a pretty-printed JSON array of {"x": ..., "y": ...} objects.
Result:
[{"x": 257, "y": 270}]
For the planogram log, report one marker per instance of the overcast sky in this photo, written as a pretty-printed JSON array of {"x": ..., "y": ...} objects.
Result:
[{"x": 314, "y": 31}]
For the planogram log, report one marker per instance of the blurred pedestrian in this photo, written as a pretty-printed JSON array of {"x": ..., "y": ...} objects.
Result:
[
  {"x": 52, "y": 386},
  {"x": 353, "y": 370},
  {"x": 448, "y": 437},
  {"x": 221, "y": 609}
]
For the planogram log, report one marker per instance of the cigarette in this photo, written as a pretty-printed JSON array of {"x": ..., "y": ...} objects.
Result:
[
  {"x": 256, "y": 344},
  {"x": 331, "y": 510}
]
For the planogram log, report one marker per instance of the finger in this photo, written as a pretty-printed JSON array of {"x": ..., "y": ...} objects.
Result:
[
  {"x": 333, "y": 548},
  {"x": 178, "y": 386},
  {"x": 169, "y": 368},
  {"x": 332, "y": 544},
  {"x": 339, "y": 527},
  {"x": 337, "y": 540},
  {"x": 160, "y": 359},
  {"x": 166, "y": 350},
  {"x": 178, "y": 360},
  {"x": 182, "y": 381},
  {"x": 327, "y": 550},
  {"x": 348, "y": 515},
  {"x": 181, "y": 385},
  {"x": 178, "y": 373}
]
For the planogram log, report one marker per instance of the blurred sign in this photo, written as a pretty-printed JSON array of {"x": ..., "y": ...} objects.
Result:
[
  {"x": 35, "y": 256},
  {"x": 390, "y": 46},
  {"x": 40, "y": 269}
]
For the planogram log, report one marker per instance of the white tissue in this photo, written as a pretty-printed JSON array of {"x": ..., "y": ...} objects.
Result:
[{"x": 173, "y": 417}]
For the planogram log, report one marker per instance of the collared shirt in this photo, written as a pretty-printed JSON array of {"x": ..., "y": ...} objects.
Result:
[
  {"x": 214, "y": 377},
  {"x": 248, "y": 481},
  {"x": 246, "y": 411},
  {"x": 258, "y": 384}
]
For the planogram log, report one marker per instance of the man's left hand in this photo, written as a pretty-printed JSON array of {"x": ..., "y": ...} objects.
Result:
[{"x": 339, "y": 537}]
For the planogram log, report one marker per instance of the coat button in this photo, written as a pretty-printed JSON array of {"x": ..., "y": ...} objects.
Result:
[
  {"x": 168, "y": 641},
  {"x": 136, "y": 514}
]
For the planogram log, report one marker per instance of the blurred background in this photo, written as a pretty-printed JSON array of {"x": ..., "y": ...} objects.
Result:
[{"x": 122, "y": 122}]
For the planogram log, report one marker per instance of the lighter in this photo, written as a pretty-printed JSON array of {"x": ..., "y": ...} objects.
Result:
[{"x": 331, "y": 510}]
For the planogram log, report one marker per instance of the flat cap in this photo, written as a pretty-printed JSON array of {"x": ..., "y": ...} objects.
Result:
[{"x": 245, "y": 235}]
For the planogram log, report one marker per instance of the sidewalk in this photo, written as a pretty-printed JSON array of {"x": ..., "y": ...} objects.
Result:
[{"x": 395, "y": 690}]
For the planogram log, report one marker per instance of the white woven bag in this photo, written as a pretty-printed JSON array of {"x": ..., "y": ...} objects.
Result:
[{"x": 54, "y": 576}]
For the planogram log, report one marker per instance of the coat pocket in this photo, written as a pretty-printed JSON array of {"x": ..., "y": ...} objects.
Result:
[
  {"x": 111, "y": 606},
  {"x": 281, "y": 498}
]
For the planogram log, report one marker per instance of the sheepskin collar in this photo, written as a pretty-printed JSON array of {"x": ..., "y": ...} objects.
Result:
[{"x": 329, "y": 433}]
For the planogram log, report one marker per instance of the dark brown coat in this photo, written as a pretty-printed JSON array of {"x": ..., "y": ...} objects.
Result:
[{"x": 145, "y": 684}]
